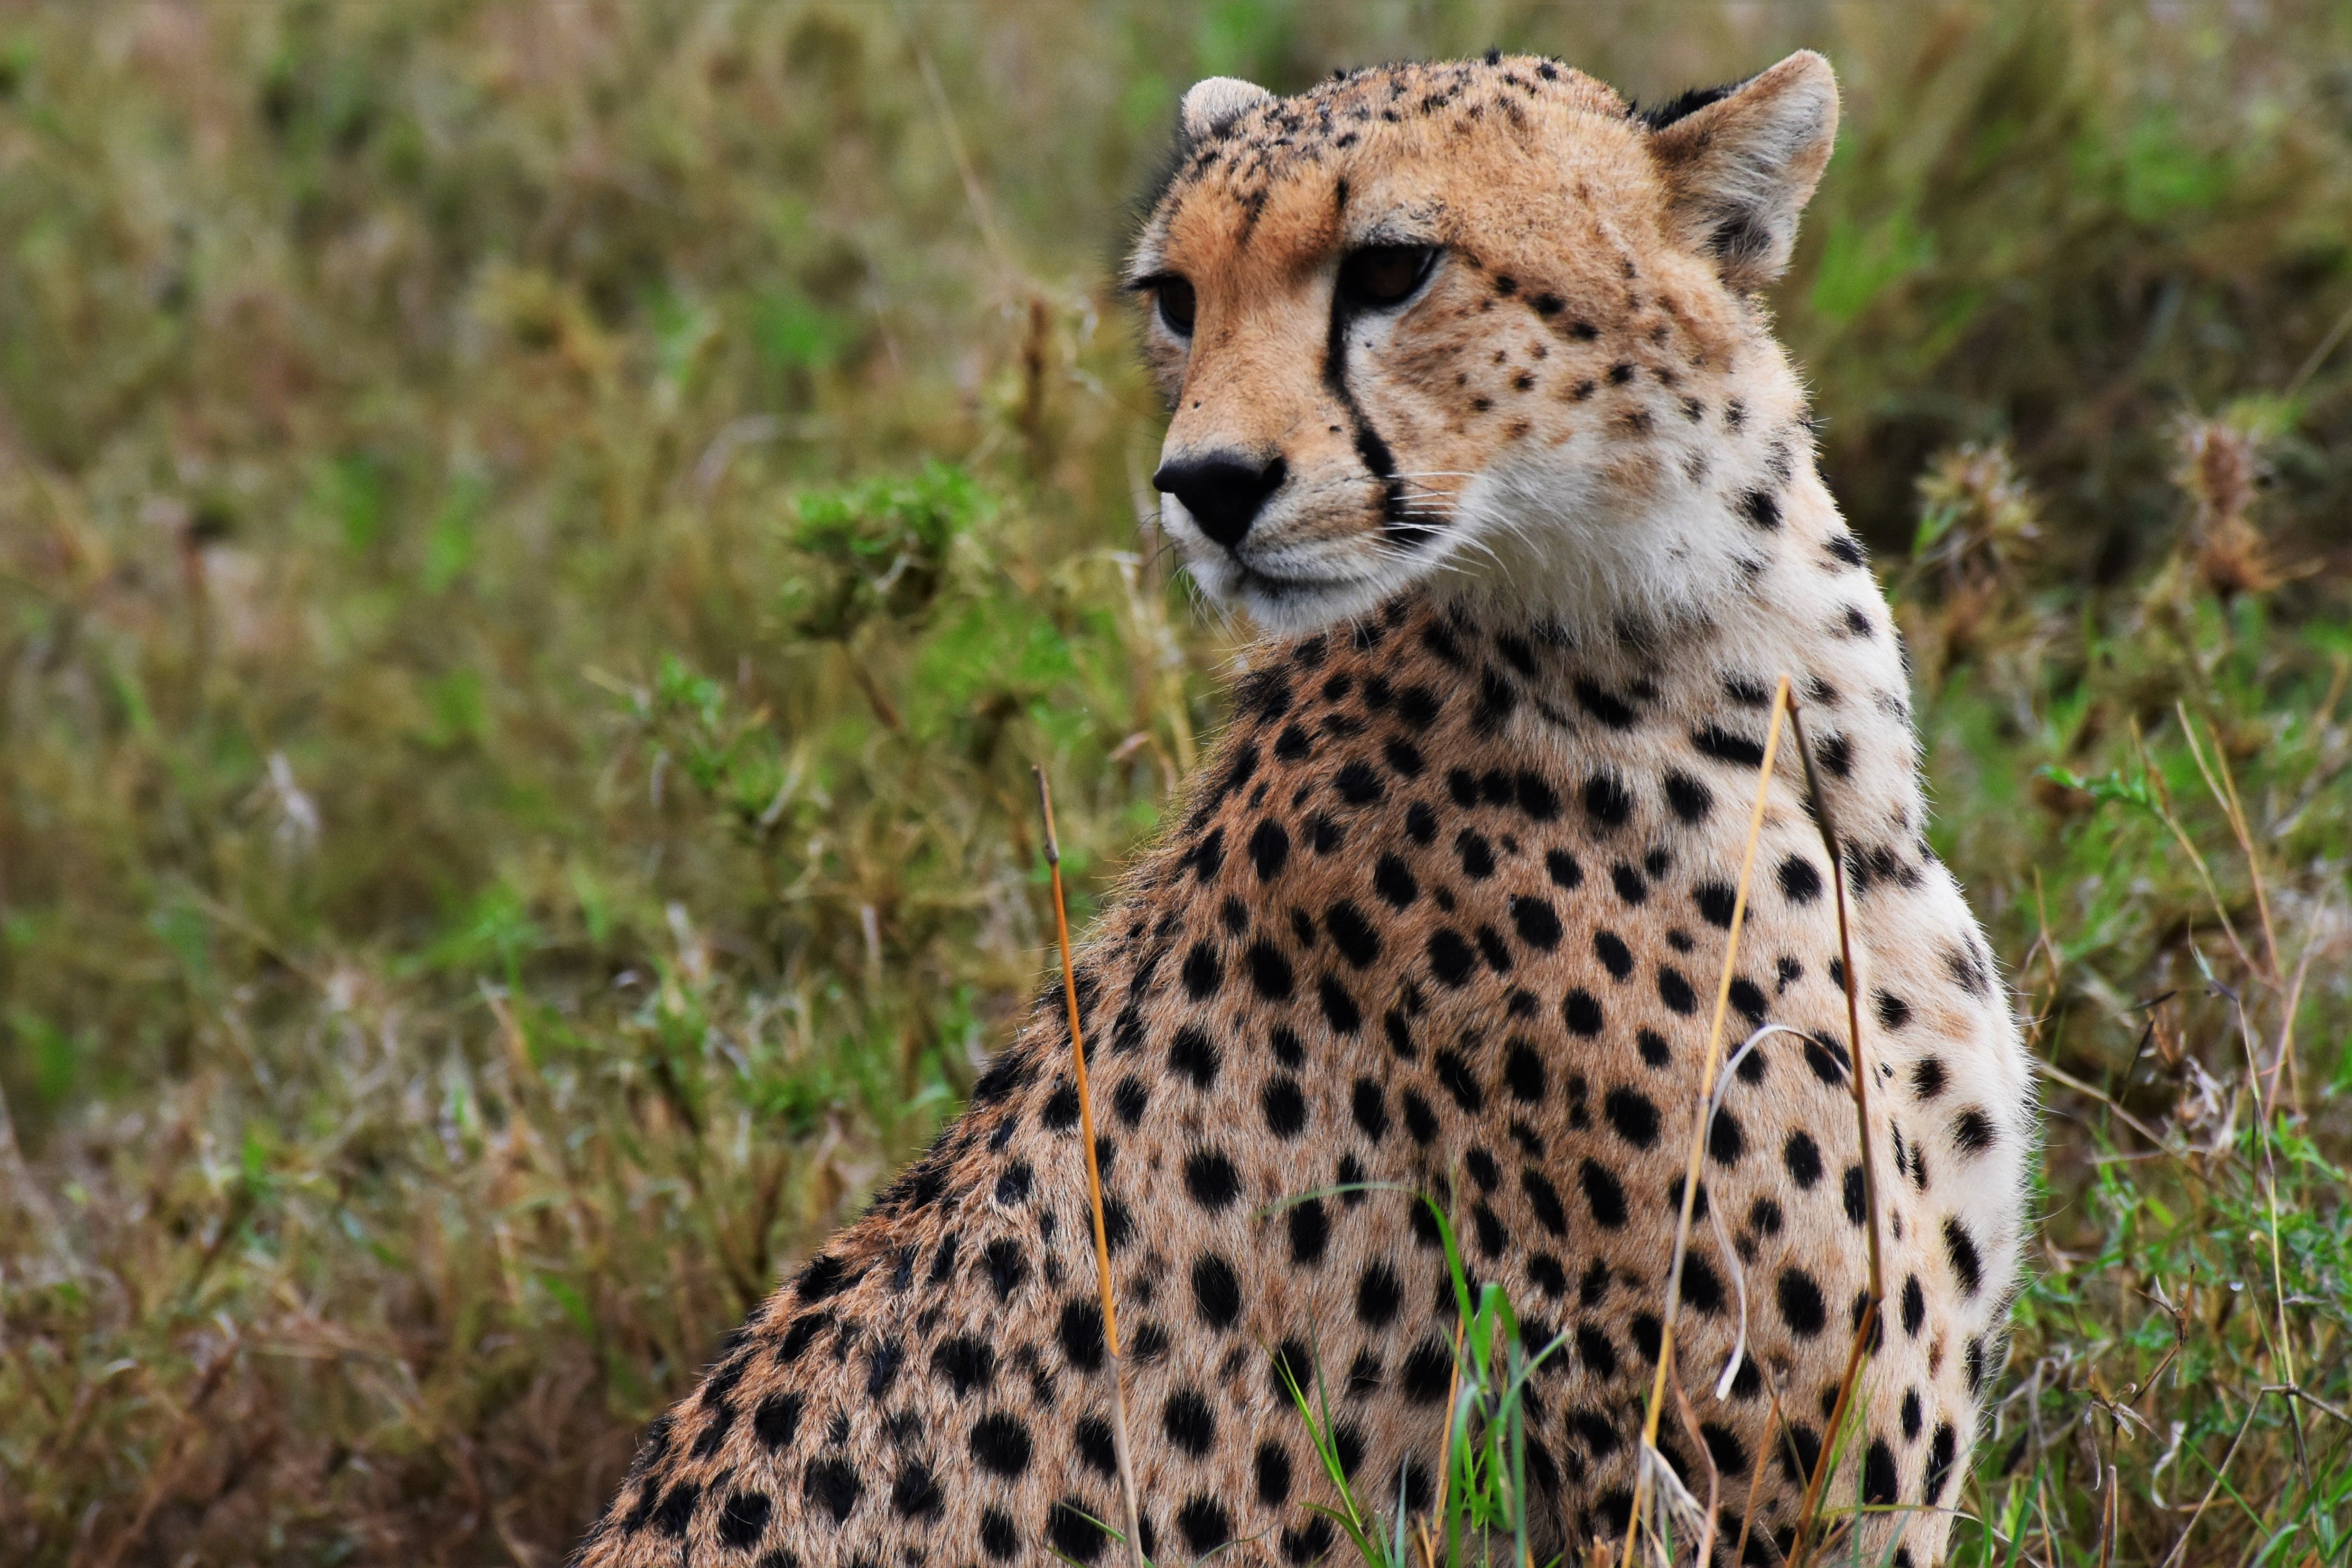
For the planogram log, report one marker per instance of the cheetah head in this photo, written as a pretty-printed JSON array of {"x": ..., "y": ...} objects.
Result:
[{"x": 1480, "y": 322}]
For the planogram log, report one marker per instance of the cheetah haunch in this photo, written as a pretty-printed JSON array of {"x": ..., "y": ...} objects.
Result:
[{"x": 1475, "y": 403}]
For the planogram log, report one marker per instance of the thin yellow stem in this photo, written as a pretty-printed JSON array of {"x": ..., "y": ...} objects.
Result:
[
  {"x": 1093, "y": 1183},
  {"x": 1859, "y": 1077},
  {"x": 1713, "y": 1061}
]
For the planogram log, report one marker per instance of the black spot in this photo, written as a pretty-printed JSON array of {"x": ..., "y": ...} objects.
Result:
[
  {"x": 1417, "y": 706},
  {"x": 1450, "y": 958},
  {"x": 832, "y": 1485},
  {"x": 1189, "y": 1422},
  {"x": 1761, "y": 509},
  {"x": 1216, "y": 1291},
  {"x": 1942, "y": 1449},
  {"x": 1629, "y": 884},
  {"x": 1544, "y": 1199},
  {"x": 1193, "y": 1054},
  {"x": 1402, "y": 756},
  {"x": 1961, "y": 1248},
  {"x": 1270, "y": 974},
  {"x": 1747, "y": 997},
  {"x": 1523, "y": 1072},
  {"x": 1340, "y": 1009},
  {"x": 1878, "y": 1482},
  {"x": 1846, "y": 548},
  {"x": 1400, "y": 1033},
  {"x": 1285, "y": 1106},
  {"x": 1379, "y": 1295},
  {"x": 1614, "y": 955},
  {"x": 1357, "y": 785},
  {"x": 1892, "y": 1010},
  {"x": 777, "y": 1421},
  {"x": 1724, "y": 747},
  {"x": 1972, "y": 1132},
  {"x": 1725, "y": 1142},
  {"x": 1715, "y": 903},
  {"x": 1204, "y": 1525},
  {"x": 1606, "y": 801},
  {"x": 1536, "y": 798},
  {"x": 1324, "y": 836},
  {"x": 1581, "y": 1011},
  {"x": 1061, "y": 1110},
  {"x": 964, "y": 1363},
  {"x": 1073, "y": 1532},
  {"x": 1836, "y": 753},
  {"x": 1456, "y": 1075},
  {"x": 798, "y": 1337},
  {"x": 1674, "y": 991},
  {"x": 1477, "y": 855},
  {"x": 1426, "y": 1373},
  {"x": 1536, "y": 922},
  {"x": 1765, "y": 1217},
  {"x": 1632, "y": 1115},
  {"x": 1828, "y": 1060},
  {"x": 1292, "y": 743},
  {"x": 1202, "y": 971},
  {"x": 1370, "y": 1109},
  {"x": 827, "y": 1275},
  {"x": 1496, "y": 698},
  {"x": 1269, "y": 847},
  {"x": 1310, "y": 1233},
  {"x": 1604, "y": 705},
  {"x": 997, "y": 1537},
  {"x": 1803, "y": 1158},
  {"x": 1730, "y": 1456},
  {"x": 1690, "y": 799},
  {"x": 1080, "y": 1331},
  {"x": 1561, "y": 867},
  {"x": 1927, "y": 1078},
  {"x": 1212, "y": 1180},
  {"x": 1128, "y": 1098},
  {"x": 915, "y": 1494},
  {"x": 1604, "y": 1195},
  {"x": 674, "y": 1511},
  {"x": 1354, "y": 936},
  {"x": 1857, "y": 1207},
  {"x": 1801, "y": 1306},
  {"x": 744, "y": 1520},
  {"x": 1420, "y": 1121},
  {"x": 1394, "y": 882}
]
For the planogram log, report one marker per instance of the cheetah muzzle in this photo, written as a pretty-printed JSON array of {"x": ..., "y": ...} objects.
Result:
[{"x": 1476, "y": 408}]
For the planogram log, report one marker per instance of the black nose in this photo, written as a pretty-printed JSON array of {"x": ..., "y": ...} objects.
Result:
[{"x": 1224, "y": 491}]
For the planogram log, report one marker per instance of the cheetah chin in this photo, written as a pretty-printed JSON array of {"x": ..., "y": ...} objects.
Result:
[{"x": 1476, "y": 408}]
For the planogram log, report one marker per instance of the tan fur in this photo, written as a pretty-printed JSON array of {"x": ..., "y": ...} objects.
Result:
[{"x": 1445, "y": 910}]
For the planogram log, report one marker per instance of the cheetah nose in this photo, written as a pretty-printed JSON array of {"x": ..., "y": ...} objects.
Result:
[{"x": 1224, "y": 491}]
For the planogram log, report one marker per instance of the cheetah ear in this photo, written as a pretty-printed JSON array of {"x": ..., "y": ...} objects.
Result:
[
  {"x": 1215, "y": 102},
  {"x": 1740, "y": 164}
]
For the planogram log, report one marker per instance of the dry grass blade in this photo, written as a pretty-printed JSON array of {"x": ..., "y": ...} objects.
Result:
[
  {"x": 1713, "y": 1060},
  {"x": 1858, "y": 1077},
  {"x": 1127, "y": 1499}
]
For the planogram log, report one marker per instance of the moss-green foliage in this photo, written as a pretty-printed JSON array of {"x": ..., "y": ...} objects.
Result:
[{"x": 539, "y": 543}]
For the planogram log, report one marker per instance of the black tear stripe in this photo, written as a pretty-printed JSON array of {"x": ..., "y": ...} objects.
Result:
[{"x": 1370, "y": 450}]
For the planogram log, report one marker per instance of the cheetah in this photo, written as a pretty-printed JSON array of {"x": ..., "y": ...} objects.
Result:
[{"x": 1476, "y": 408}]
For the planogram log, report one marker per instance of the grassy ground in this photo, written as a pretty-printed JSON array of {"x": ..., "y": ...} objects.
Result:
[{"x": 538, "y": 544}]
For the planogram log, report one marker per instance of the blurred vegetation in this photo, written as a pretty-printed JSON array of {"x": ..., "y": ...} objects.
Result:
[{"x": 538, "y": 542}]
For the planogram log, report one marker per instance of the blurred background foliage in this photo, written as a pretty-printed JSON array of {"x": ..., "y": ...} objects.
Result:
[{"x": 539, "y": 541}]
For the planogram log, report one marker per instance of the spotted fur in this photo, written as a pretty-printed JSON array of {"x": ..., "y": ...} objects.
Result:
[{"x": 1445, "y": 910}]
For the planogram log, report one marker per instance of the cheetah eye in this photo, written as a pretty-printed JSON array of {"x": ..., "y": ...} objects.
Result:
[
  {"x": 1380, "y": 276},
  {"x": 1176, "y": 304}
]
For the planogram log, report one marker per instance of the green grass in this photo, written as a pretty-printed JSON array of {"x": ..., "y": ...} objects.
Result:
[{"x": 539, "y": 543}]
